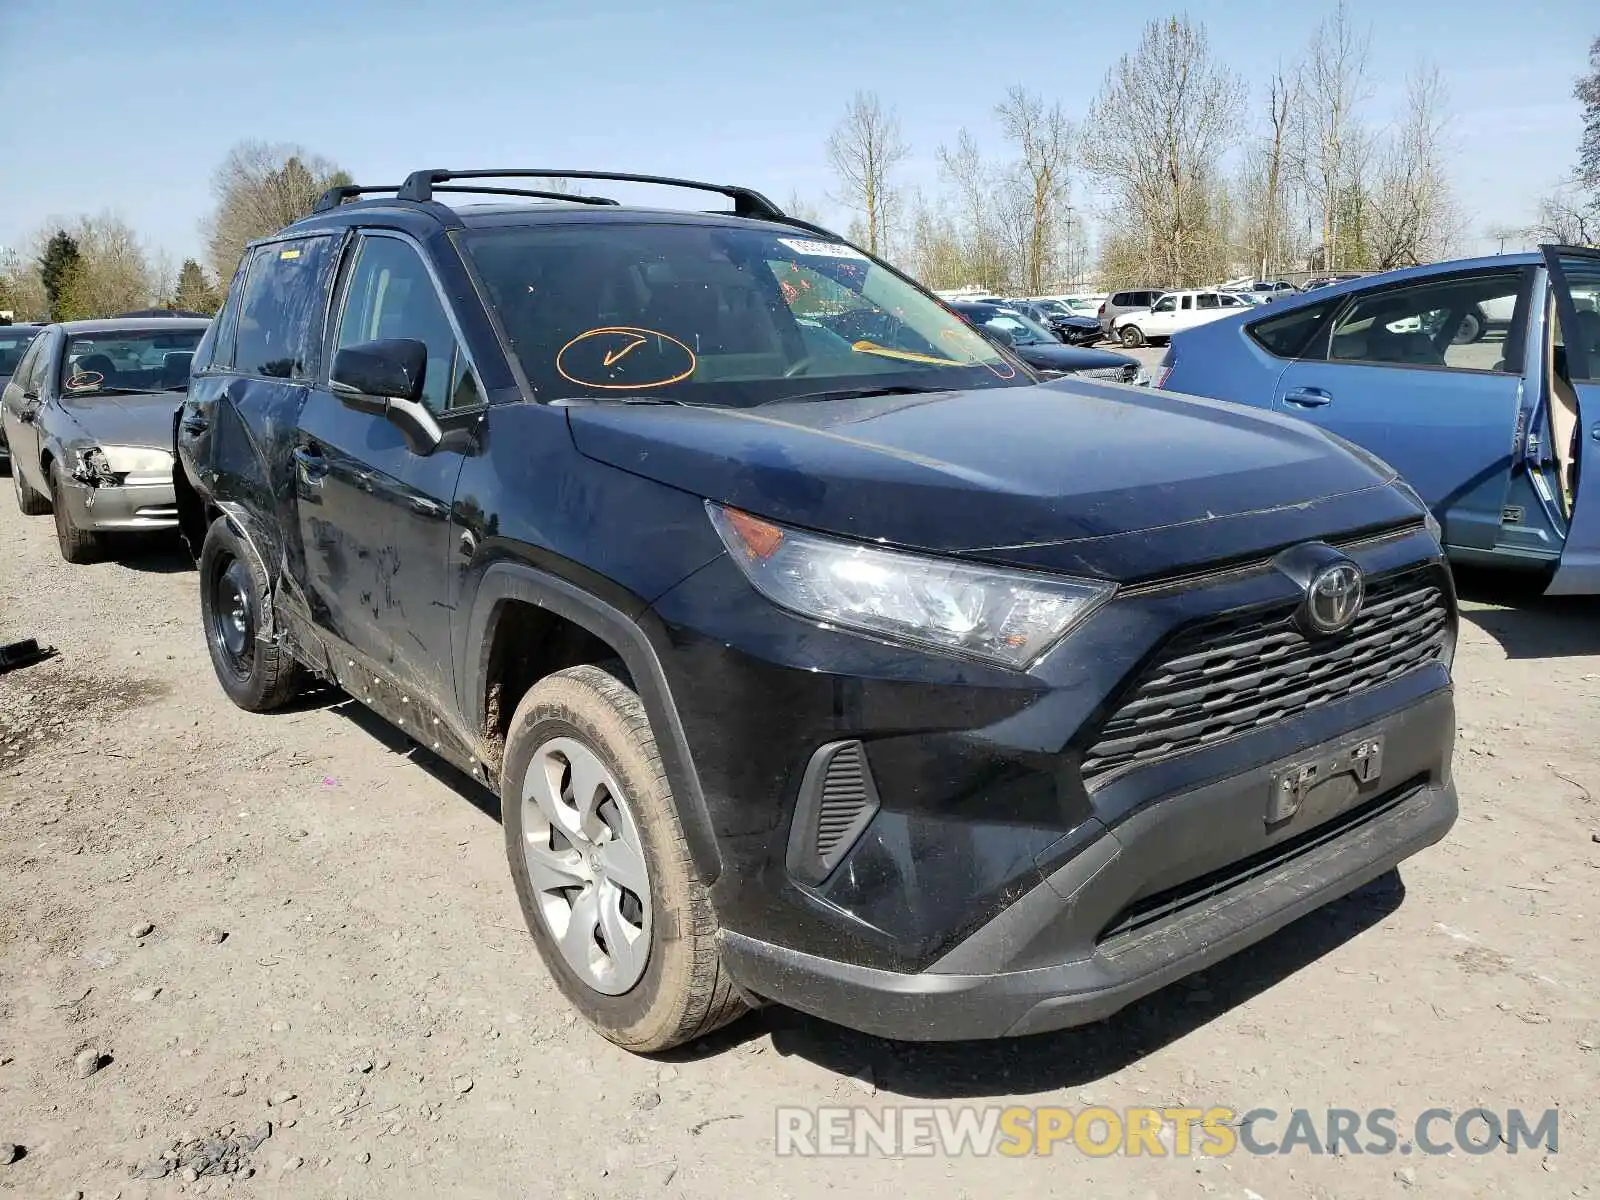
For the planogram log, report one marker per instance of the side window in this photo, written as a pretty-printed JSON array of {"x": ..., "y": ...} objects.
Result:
[
  {"x": 1188, "y": 303},
  {"x": 215, "y": 351},
  {"x": 1166, "y": 304},
  {"x": 1207, "y": 300},
  {"x": 29, "y": 365},
  {"x": 1122, "y": 300},
  {"x": 1583, "y": 280},
  {"x": 391, "y": 295},
  {"x": 1460, "y": 322},
  {"x": 1287, "y": 335},
  {"x": 280, "y": 309}
]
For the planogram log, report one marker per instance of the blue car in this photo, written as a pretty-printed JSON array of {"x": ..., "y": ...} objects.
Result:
[{"x": 1478, "y": 380}]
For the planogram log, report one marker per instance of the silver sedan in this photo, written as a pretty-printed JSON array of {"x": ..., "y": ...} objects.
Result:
[{"x": 88, "y": 416}]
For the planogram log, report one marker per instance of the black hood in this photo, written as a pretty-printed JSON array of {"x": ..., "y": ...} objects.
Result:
[{"x": 1071, "y": 475}]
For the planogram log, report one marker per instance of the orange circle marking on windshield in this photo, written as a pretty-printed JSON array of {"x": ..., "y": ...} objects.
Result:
[
  {"x": 630, "y": 338},
  {"x": 85, "y": 379}
]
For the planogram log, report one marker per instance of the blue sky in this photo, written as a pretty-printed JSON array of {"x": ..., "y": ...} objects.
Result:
[{"x": 129, "y": 107}]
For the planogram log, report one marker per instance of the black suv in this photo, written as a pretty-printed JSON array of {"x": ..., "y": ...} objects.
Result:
[{"x": 819, "y": 653}]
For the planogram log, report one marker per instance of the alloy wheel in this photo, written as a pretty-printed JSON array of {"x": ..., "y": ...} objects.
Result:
[{"x": 587, "y": 865}]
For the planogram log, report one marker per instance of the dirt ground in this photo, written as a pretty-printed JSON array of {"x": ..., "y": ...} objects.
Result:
[{"x": 204, "y": 913}]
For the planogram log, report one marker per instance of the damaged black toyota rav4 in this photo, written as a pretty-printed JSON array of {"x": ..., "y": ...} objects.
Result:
[{"x": 819, "y": 653}]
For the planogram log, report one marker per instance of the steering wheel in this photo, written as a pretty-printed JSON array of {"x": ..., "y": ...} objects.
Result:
[{"x": 799, "y": 366}]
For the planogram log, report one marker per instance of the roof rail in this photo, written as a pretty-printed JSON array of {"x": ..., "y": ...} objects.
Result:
[
  {"x": 573, "y": 197},
  {"x": 420, "y": 186},
  {"x": 336, "y": 196}
]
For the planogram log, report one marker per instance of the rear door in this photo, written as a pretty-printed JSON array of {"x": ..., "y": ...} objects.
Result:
[
  {"x": 1574, "y": 412},
  {"x": 1388, "y": 373}
]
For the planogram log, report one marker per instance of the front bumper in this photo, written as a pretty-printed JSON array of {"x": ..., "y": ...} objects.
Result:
[
  {"x": 131, "y": 509},
  {"x": 1060, "y": 956}
]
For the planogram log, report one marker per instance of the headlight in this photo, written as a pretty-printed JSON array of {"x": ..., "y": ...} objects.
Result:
[
  {"x": 1005, "y": 617},
  {"x": 137, "y": 460}
]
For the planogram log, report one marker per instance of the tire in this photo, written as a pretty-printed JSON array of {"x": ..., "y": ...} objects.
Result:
[
  {"x": 1470, "y": 330},
  {"x": 669, "y": 987},
  {"x": 76, "y": 545},
  {"x": 30, "y": 502},
  {"x": 257, "y": 675},
  {"x": 1132, "y": 336}
]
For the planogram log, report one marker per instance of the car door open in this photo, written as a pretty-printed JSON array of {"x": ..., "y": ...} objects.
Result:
[
  {"x": 1572, "y": 398},
  {"x": 1388, "y": 374}
]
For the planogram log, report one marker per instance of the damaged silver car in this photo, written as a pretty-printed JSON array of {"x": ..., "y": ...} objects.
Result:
[{"x": 88, "y": 415}]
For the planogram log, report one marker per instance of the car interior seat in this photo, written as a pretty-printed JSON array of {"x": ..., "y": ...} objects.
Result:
[{"x": 98, "y": 364}]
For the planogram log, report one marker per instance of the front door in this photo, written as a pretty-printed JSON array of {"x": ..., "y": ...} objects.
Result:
[
  {"x": 1162, "y": 318},
  {"x": 1392, "y": 375},
  {"x": 1573, "y": 400},
  {"x": 374, "y": 514}
]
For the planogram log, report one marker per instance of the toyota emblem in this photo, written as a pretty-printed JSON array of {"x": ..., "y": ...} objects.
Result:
[{"x": 1333, "y": 597}]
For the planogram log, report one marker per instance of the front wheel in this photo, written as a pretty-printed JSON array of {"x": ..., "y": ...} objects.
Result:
[
  {"x": 30, "y": 502},
  {"x": 1132, "y": 337},
  {"x": 602, "y": 869},
  {"x": 258, "y": 675},
  {"x": 77, "y": 545}
]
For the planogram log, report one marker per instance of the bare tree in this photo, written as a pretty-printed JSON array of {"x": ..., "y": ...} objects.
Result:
[
  {"x": 804, "y": 209},
  {"x": 1044, "y": 138},
  {"x": 1264, "y": 190},
  {"x": 1153, "y": 138},
  {"x": 1587, "y": 92},
  {"x": 1413, "y": 216},
  {"x": 114, "y": 273},
  {"x": 864, "y": 148},
  {"x": 976, "y": 224},
  {"x": 260, "y": 188},
  {"x": 1332, "y": 146},
  {"x": 1566, "y": 218}
]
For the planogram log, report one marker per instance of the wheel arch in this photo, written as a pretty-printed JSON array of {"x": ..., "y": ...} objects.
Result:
[{"x": 508, "y": 584}]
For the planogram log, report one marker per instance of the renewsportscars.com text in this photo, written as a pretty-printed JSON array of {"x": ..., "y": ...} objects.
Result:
[{"x": 1018, "y": 1130}]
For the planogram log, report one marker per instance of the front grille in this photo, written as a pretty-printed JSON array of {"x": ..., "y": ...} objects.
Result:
[
  {"x": 1122, "y": 374},
  {"x": 1230, "y": 675}
]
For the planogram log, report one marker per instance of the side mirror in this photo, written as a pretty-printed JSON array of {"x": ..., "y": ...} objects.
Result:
[
  {"x": 386, "y": 377},
  {"x": 29, "y": 412},
  {"x": 384, "y": 370},
  {"x": 1000, "y": 335}
]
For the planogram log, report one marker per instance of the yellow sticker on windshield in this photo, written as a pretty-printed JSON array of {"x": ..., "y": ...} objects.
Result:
[
  {"x": 865, "y": 347},
  {"x": 286, "y": 254}
]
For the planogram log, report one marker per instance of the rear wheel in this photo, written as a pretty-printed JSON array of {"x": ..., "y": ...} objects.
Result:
[
  {"x": 77, "y": 545},
  {"x": 602, "y": 869},
  {"x": 1132, "y": 336},
  {"x": 31, "y": 503},
  {"x": 257, "y": 674}
]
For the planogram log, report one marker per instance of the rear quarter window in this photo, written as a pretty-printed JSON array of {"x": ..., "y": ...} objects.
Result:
[
  {"x": 281, "y": 307},
  {"x": 1288, "y": 334}
]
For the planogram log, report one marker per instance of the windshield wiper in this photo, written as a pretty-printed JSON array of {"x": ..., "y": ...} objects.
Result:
[
  {"x": 858, "y": 393},
  {"x": 108, "y": 391}
]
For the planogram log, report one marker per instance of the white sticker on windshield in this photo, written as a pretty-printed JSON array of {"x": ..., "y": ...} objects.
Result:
[{"x": 821, "y": 249}]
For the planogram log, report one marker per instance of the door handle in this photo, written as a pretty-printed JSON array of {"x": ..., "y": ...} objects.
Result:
[
  {"x": 1307, "y": 397},
  {"x": 312, "y": 465},
  {"x": 194, "y": 424},
  {"x": 426, "y": 507}
]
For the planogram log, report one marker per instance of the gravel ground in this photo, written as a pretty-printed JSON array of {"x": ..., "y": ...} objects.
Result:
[{"x": 280, "y": 955}]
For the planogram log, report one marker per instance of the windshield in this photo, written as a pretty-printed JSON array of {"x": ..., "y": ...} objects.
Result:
[
  {"x": 129, "y": 360},
  {"x": 708, "y": 314}
]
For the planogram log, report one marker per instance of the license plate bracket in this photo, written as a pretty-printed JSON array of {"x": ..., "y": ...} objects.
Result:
[{"x": 1319, "y": 787}]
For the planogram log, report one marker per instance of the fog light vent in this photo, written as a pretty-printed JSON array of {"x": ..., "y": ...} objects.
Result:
[{"x": 838, "y": 799}]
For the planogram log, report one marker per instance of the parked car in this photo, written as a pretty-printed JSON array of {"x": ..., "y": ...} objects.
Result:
[
  {"x": 88, "y": 415},
  {"x": 1173, "y": 312},
  {"x": 1043, "y": 351},
  {"x": 1074, "y": 330},
  {"x": 1488, "y": 429},
  {"x": 1322, "y": 281},
  {"x": 804, "y": 665},
  {"x": 14, "y": 341},
  {"x": 1075, "y": 306},
  {"x": 1118, "y": 303}
]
